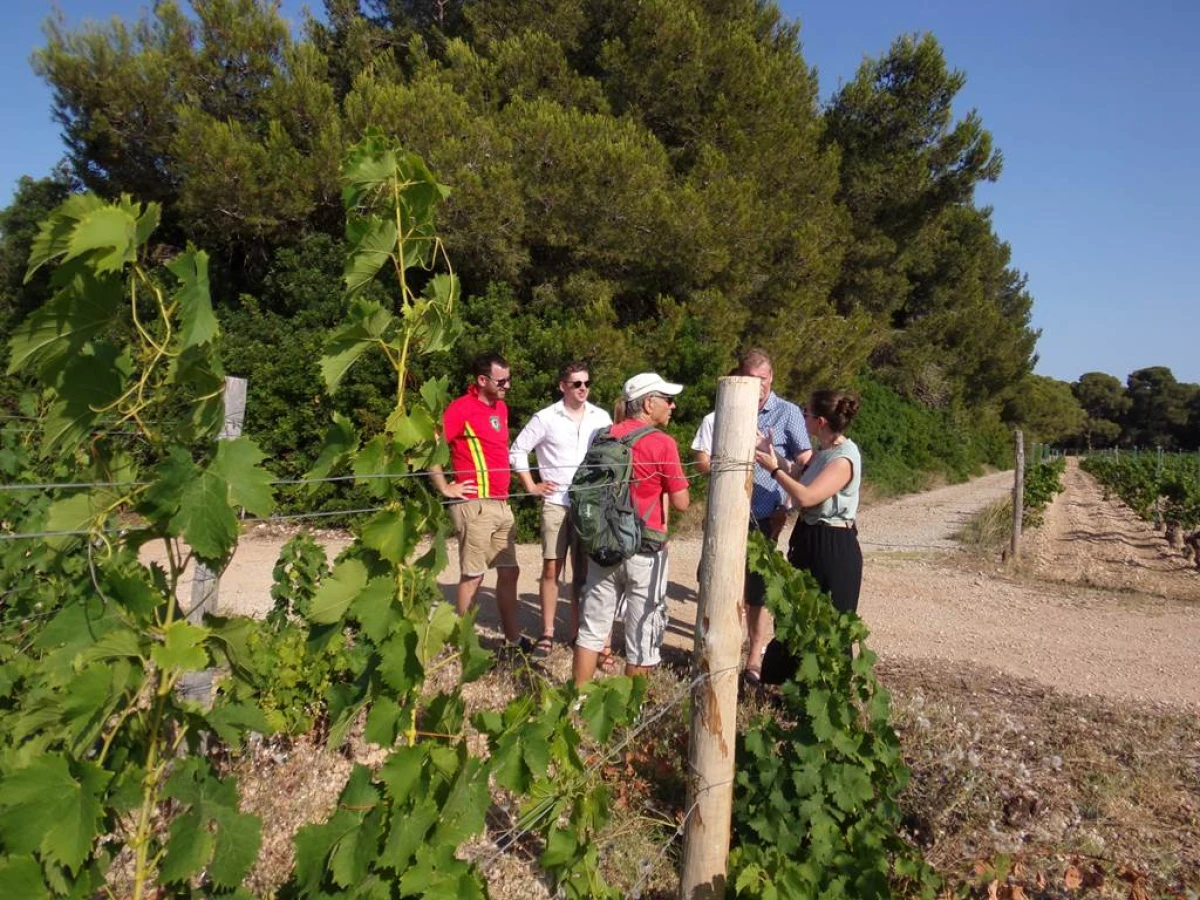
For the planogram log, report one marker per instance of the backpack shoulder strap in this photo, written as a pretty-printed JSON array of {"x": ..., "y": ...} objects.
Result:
[{"x": 636, "y": 435}]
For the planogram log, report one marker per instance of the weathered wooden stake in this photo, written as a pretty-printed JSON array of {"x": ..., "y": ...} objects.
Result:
[
  {"x": 719, "y": 641},
  {"x": 1018, "y": 502},
  {"x": 205, "y": 582}
]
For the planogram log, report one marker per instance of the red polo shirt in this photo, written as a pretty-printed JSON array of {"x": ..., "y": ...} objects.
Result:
[
  {"x": 478, "y": 439},
  {"x": 656, "y": 471}
]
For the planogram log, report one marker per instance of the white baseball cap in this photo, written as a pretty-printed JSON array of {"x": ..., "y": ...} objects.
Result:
[{"x": 649, "y": 383}]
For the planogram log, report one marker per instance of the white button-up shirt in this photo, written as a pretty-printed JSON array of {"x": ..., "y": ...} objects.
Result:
[{"x": 560, "y": 444}]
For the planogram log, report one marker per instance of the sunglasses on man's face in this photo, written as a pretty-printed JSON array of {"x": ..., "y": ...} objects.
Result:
[
  {"x": 579, "y": 383},
  {"x": 499, "y": 382}
]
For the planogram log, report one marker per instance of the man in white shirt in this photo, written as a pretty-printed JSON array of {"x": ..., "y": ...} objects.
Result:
[{"x": 559, "y": 435}]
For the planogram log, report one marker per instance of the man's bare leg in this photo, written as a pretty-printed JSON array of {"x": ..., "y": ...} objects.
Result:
[
  {"x": 506, "y": 601},
  {"x": 548, "y": 592},
  {"x": 638, "y": 670},
  {"x": 583, "y": 667},
  {"x": 468, "y": 587}
]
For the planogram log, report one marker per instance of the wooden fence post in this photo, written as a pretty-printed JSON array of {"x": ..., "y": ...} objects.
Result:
[
  {"x": 719, "y": 641},
  {"x": 1018, "y": 502},
  {"x": 205, "y": 582}
]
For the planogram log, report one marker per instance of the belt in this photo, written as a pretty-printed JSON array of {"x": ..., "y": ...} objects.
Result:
[{"x": 827, "y": 524}]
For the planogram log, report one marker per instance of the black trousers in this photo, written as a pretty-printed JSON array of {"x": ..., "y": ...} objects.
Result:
[{"x": 834, "y": 558}]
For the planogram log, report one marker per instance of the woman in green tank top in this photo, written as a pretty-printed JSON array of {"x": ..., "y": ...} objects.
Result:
[{"x": 825, "y": 539}]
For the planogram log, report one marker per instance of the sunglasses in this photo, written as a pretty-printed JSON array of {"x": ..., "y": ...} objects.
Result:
[
  {"x": 669, "y": 400},
  {"x": 580, "y": 383},
  {"x": 499, "y": 382}
]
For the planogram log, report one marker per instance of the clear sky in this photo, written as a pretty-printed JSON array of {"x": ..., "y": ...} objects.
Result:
[{"x": 1095, "y": 105}]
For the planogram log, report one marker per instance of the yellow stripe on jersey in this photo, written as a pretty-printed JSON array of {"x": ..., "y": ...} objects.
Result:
[{"x": 484, "y": 487}]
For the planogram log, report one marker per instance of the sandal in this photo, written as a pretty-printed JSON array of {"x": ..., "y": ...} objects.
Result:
[
  {"x": 606, "y": 662},
  {"x": 544, "y": 646},
  {"x": 752, "y": 677}
]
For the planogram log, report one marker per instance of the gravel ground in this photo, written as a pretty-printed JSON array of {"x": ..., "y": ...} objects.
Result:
[{"x": 1130, "y": 633}]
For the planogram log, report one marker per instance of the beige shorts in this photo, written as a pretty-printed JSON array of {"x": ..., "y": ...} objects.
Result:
[
  {"x": 556, "y": 531},
  {"x": 641, "y": 581},
  {"x": 485, "y": 535}
]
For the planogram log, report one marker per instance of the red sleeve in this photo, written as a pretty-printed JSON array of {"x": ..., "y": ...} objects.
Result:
[
  {"x": 672, "y": 471},
  {"x": 452, "y": 422}
]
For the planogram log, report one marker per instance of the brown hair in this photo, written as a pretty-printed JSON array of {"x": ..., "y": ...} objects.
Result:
[
  {"x": 565, "y": 373},
  {"x": 838, "y": 408},
  {"x": 482, "y": 364},
  {"x": 752, "y": 359}
]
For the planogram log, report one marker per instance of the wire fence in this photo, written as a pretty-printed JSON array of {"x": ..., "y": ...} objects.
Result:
[
  {"x": 534, "y": 818},
  {"x": 254, "y": 520}
]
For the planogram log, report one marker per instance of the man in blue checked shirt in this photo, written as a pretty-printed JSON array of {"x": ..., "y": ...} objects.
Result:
[{"x": 768, "y": 504}]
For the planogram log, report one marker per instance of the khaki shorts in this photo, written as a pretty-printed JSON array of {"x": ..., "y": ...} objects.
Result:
[
  {"x": 641, "y": 581},
  {"x": 559, "y": 541},
  {"x": 485, "y": 535},
  {"x": 556, "y": 531}
]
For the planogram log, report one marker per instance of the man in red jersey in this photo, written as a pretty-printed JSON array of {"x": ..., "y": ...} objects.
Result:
[
  {"x": 641, "y": 580},
  {"x": 476, "y": 428}
]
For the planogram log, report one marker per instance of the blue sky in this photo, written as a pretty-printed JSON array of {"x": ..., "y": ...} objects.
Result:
[{"x": 1095, "y": 105}]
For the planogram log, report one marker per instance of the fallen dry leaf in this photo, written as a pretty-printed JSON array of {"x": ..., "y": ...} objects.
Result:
[
  {"x": 994, "y": 890},
  {"x": 1072, "y": 879}
]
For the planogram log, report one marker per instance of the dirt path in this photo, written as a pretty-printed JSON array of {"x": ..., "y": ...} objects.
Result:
[
  {"x": 924, "y": 599},
  {"x": 1096, "y": 542}
]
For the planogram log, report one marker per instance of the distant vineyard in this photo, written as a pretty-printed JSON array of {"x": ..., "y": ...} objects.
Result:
[{"x": 1164, "y": 489}]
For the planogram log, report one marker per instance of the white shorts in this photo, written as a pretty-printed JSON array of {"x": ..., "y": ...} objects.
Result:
[{"x": 641, "y": 582}]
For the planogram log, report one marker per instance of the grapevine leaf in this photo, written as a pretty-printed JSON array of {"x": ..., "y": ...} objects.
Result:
[
  {"x": 21, "y": 876},
  {"x": 401, "y": 773},
  {"x": 189, "y": 847},
  {"x": 205, "y": 518},
  {"x": 89, "y": 382},
  {"x": 436, "y": 393},
  {"x": 239, "y": 837},
  {"x": 171, "y": 478},
  {"x": 434, "y": 634},
  {"x": 850, "y": 787},
  {"x": 375, "y": 608},
  {"x": 57, "y": 332},
  {"x": 54, "y": 237},
  {"x": 237, "y": 463},
  {"x": 199, "y": 324},
  {"x": 393, "y": 532},
  {"x": 373, "y": 242},
  {"x": 464, "y": 810},
  {"x": 381, "y": 722},
  {"x": 52, "y": 806},
  {"x": 562, "y": 848},
  {"x": 438, "y": 875},
  {"x": 408, "y": 833},
  {"x": 435, "y": 326},
  {"x": 182, "y": 647},
  {"x": 341, "y": 441},
  {"x": 119, "y": 643},
  {"x": 606, "y": 706},
  {"x": 197, "y": 374},
  {"x": 211, "y": 831},
  {"x": 412, "y": 428},
  {"x": 233, "y": 721},
  {"x": 399, "y": 665},
  {"x": 110, "y": 230},
  {"x": 336, "y": 592},
  {"x": 368, "y": 322},
  {"x": 476, "y": 661},
  {"x": 72, "y": 514}
]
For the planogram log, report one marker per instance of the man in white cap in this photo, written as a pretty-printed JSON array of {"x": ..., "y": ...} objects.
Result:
[{"x": 641, "y": 580}]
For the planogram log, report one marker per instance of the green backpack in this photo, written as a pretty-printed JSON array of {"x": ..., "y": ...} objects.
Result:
[{"x": 602, "y": 509}]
